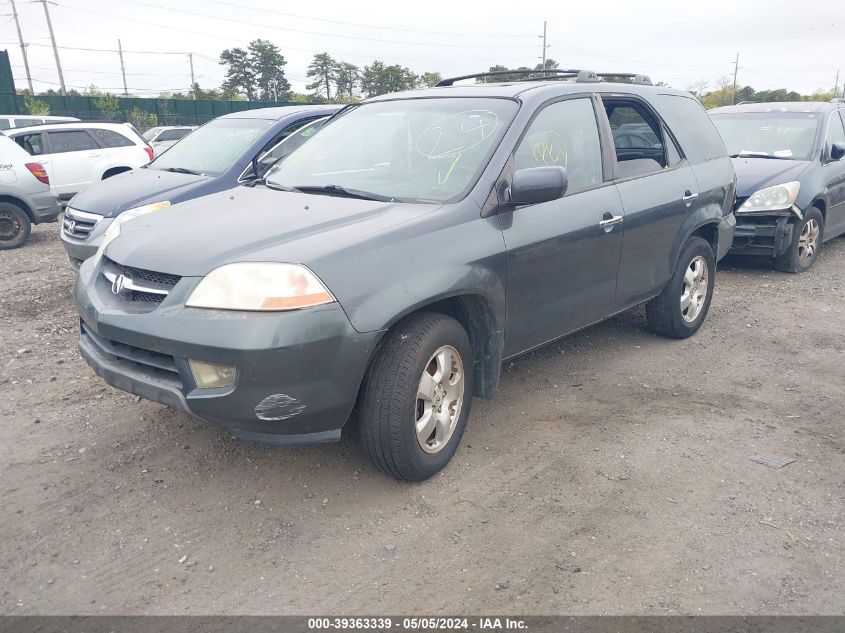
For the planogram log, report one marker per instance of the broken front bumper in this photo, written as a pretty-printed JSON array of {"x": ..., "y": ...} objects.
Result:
[
  {"x": 297, "y": 373},
  {"x": 767, "y": 234}
]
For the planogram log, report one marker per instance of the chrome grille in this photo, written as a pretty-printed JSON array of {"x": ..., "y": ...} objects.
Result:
[
  {"x": 143, "y": 288},
  {"x": 139, "y": 274},
  {"x": 79, "y": 224}
]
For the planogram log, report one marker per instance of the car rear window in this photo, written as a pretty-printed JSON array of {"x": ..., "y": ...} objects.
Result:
[
  {"x": 692, "y": 127},
  {"x": 172, "y": 135},
  {"x": 110, "y": 138}
]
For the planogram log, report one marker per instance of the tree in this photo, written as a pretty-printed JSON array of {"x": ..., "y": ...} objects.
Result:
[
  {"x": 267, "y": 64},
  {"x": 430, "y": 79},
  {"x": 378, "y": 79},
  {"x": 698, "y": 89},
  {"x": 346, "y": 79},
  {"x": 107, "y": 103},
  {"x": 240, "y": 76},
  {"x": 746, "y": 93},
  {"x": 142, "y": 120},
  {"x": 35, "y": 106},
  {"x": 322, "y": 70},
  {"x": 504, "y": 77},
  {"x": 550, "y": 63}
]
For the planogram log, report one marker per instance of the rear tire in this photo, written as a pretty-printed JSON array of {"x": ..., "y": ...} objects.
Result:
[
  {"x": 416, "y": 397},
  {"x": 15, "y": 226},
  {"x": 807, "y": 235},
  {"x": 681, "y": 308}
]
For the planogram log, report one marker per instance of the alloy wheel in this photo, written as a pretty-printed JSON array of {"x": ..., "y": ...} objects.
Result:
[
  {"x": 694, "y": 289},
  {"x": 440, "y": 395},
  {"x": 808, "y": 242}
]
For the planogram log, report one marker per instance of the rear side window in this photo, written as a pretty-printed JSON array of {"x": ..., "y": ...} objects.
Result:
[
  {"x": 4, "y": 124},
  {"x": 565, "y": 134},
  {"x": 32, "y": 143},
  {"x": 71, "y": 141},
  {"x": 26, "y": 122},
  {"x": 692, "y": 127},
  {"x": 110, "y": 138}
]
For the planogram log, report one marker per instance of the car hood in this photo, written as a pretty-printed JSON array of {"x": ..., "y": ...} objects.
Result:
[
  {"x": 753, "y": 174},
  {"x": 253, "y": 224},
  {"x": 115, "y": 195}
]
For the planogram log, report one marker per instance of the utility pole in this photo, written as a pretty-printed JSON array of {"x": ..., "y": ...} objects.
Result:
[
  {"x": 193, "y": 81},
  {"x": 736, "y": 69},
  {"x": 55, "y": 49},
  {"x": 836, "y": 83},
  {"x": 543, "y": 57},
  {"x": 23, "y": 49},
  {"x": 122, "y": 68}
]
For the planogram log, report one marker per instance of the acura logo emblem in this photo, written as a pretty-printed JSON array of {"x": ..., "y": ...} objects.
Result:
[{"x": 119, "y": 284}]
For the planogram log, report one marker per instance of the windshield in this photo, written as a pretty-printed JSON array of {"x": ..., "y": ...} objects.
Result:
[
  {"x": 789, "y": 135},
  {"x": 409, "y": 150},
  {"x": 151, "y": 133},
  {"x": 214, "y": 147}
]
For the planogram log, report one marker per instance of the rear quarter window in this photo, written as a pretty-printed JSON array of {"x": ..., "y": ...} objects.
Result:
[
  {"x": 110, "y": 138},
  {"x": 691, "y": 125}
]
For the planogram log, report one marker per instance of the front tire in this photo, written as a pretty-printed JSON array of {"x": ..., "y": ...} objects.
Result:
[
  {"x": 806, "y": 240},
  {"x": 416, "y": 397},
  {"x": 15, "y": 226},
  {"x": 681, "y": 308}
]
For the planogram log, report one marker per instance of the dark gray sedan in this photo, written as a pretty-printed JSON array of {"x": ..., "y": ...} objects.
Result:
[{"x": 391, "y": 263}]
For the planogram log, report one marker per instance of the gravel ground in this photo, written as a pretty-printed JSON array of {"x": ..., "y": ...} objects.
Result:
[{"x": 612, "y": 474}]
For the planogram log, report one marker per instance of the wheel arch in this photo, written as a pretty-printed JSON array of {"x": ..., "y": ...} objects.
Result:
[
  {"x": 476, "y": 314},
  {"x": 114, "y": 171},
  {"x": 19, "y": 203}
]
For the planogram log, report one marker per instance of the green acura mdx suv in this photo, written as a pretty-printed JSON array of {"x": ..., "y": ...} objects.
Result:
[{"x": 377, "y": 277}]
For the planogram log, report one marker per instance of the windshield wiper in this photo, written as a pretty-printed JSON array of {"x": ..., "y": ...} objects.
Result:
[
  {"x": 760, "y": 155},
  {"x": 182, "y": 170},
  {"x": 337, "y": 190}
]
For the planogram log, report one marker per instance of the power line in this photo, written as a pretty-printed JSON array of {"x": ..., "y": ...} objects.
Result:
[
  {"x": 239, "y": 40},
  {"x": 265, "y": 10},
  {"x": 231, "y": 20}
]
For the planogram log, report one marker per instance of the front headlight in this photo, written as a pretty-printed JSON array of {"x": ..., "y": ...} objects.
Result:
[
  {"x": 259, "y": 286},
  {"x": 130, "y": 214},
  {"x": 775, "y": 198}
]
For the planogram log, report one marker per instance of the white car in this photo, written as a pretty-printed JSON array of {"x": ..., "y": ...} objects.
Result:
[
  {"x": 25, "y": 196},
  {"x": 77, "y": 155},
  {"x": 163, "y": 137},
  {"x": 8, "y": 121}
]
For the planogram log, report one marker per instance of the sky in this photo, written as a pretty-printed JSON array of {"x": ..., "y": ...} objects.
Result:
[{"x": 796, "y": 45}]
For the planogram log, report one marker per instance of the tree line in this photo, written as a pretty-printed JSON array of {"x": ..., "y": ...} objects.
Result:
[
  {"x": 257, "y": 73},
  {"x": 723, "y": 94}
]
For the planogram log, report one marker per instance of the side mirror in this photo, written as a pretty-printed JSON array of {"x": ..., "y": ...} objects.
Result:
[
  {"x": 538, "y": 184},
  {"x": 837, "y": 151}
]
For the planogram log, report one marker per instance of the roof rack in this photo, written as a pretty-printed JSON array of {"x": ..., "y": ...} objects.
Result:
[{"x": 551, "y": 74}]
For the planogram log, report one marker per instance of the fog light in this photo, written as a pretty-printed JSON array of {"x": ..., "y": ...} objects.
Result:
[{"x": 211, "y": 376}]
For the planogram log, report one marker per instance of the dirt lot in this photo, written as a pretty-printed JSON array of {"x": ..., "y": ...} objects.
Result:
[{"x": 612, "y": 473}]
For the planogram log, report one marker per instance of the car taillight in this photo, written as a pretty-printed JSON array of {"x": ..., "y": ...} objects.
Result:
[
  {"x": 149, "y": 151},
  {"x": 37, "y": 170}
]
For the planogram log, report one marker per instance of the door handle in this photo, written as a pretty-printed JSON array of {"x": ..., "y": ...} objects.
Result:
[
  {"x": 609, "y": 220},
  {"x": 94, "y": 155},
  {"x": 689, "y": 196}
]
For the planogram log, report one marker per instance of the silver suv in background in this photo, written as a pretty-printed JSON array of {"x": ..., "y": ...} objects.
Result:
[
  {"x": 161, "y": 138},
  {"x": 25, "y": 196}
]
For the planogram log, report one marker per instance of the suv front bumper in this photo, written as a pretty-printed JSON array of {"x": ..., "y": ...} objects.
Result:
[{"x": 297, "y": 373}]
